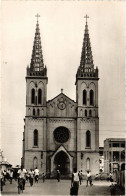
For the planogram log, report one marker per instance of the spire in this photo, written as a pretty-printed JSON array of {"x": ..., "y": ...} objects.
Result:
[
  {"x": 86, "y": 62},
  {"x": 37, "y": 65},
  {"x": 86, "y": 55}
]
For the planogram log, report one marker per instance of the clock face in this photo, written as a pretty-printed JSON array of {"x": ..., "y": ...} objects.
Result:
[{"x": 61, "y": 105}]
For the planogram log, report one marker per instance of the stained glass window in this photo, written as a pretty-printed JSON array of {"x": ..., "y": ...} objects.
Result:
[{"x": 61, "y": 134}]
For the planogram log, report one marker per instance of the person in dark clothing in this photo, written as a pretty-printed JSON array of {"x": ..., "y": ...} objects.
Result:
[
  {"x": 58, "y": 175},
  {"x": 43, "y": 177},
  {"x": 113, "y": 189}
]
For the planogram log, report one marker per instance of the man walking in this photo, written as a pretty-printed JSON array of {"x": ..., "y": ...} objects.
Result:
[
  {"x": 36, "y": 172},
  {"x": 89, "y": 178},
  {"x": 31, "y": 176},
  {"x": 22, "y": 173},
  {"x": 75, "y": 182}
]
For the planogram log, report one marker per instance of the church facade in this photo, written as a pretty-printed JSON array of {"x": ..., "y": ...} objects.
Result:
[{"x": 61, "y": 133}]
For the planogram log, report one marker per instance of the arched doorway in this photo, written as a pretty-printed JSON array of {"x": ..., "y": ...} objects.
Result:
[{"x": 62, "y": 162}]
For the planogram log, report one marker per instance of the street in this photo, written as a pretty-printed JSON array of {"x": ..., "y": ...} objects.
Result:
[{"x": 52, "y": 187}]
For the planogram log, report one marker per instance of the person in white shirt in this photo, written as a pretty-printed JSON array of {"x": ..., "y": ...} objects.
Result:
[
  {"x": 31, "y": 176},
  {"x": 75, "y": 182},
  {"x": 89, "y": 178},
  {"x": 36, "y": 172},
  {"x": 11, "y": 176},
  {"x": 22, "y": 172}
]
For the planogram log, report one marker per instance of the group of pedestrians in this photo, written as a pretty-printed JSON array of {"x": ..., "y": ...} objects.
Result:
[
  {"x": 28, "y": 176},
  {"x": 5, "y": 176},
  {"x": 22, "y": 174},
  {"x": 33, "y": 176}
]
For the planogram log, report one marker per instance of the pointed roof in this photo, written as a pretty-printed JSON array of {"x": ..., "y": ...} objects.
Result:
[
  {"x": 86, "y": 68},
  {"x": 37, "y": 64},
  {"x": 86, "y": 55},
  {"x": 65, "y": 96}
]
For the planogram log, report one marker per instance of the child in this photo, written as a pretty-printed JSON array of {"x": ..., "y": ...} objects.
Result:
[{"x": 43, "y": 177}]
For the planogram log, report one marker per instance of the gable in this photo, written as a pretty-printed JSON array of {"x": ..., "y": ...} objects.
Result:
[{"x": 61, "y": 106}]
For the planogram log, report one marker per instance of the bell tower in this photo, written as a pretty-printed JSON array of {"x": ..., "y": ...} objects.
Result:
[
  {"x": 34, "y": 142},
  {"x": 87, "y": 108}
]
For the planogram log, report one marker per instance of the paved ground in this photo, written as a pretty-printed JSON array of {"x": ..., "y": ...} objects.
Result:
[{"x": 52, "y": 187}]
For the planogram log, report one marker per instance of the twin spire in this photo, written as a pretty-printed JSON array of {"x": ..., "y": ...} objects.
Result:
[
  {"x": 86, "y": 55},
  {"x": 86, "y": 68},
  {"x": 37, "y": 67},
  {"x": 86, "y": 63}
]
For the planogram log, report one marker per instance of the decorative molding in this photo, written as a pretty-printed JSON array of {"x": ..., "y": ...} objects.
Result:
[
  {"x": 92, "y": 121},
  {"x": 61, "y": 121},
  {"x": 35, "y": 119}
]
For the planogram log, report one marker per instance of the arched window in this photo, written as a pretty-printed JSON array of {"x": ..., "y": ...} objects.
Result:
[
  {"x": 90, "y": 113},
  {"x": 91, "y": 97},
  {"x": 39, "y": 96},
  {"x": 88, "y": 139},
  {"x": 85, "y": 112},
  {"x": 29, "y": 111},
  {"x": 88, "y": 164},
  {"x": 33, "y": 96},
  {"x": 38, "y": 112},
  {"x": 42, "y": 112},
  {"x": 84, "y": 97},
  {"x": 35, "y": 137},
  {"x": 33, "y": 112},
  {"x": 81, "y": 112},
  {"x": 35, "y": 163}
]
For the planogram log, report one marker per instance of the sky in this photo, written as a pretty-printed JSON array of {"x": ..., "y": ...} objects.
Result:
[{"x": 62, "y": 26}]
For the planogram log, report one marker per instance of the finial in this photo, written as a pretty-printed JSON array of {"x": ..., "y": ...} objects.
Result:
[
  {"x": 86, "y": 17},
  {"x": 61, "y": 90},
  {"x": 37, "y": 16}
]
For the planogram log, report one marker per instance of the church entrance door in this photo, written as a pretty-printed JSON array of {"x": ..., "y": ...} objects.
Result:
[{"x": 62, "y": 163}]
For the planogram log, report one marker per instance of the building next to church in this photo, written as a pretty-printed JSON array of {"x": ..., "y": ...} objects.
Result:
[
  {"x": 5, "y": 165},
  {"x": 61, "y": 133},
  {"x": 114, "y": 154}
]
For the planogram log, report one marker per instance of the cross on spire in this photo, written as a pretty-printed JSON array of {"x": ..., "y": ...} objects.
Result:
[
  {"x": 86, "y": 17},
  {"x": 61, "y": 90},
  {"x": 37, "y": 16}
]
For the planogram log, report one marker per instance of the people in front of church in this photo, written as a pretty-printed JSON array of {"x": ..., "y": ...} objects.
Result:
[
  {"x": 110, "y": 177},
  {"x": 43, "y": 177},
  {"x": 58, "y": 175},
  {"x": 36, "y": 172},
  {"x": 11, "y": 176},
  {"x": 4, "y": 175},
  {"x": 8, "y": 174},
  {"x": 27, "y": 175},
  {"x": 80, "y": 177},
  {"x": 22, "y": 175},
  {"x": 75, "y": 182},
  {"x": 89, "y": 178},
  {"x": 31, "y": 176}
]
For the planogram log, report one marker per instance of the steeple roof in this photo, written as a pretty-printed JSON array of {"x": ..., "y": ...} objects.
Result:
[
  {"x": 37, "y": 64},
  {"x": 86, "y": 68},
  {"x": 86, "y": 55}
]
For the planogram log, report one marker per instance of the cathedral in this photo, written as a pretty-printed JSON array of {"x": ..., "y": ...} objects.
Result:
[{"x": 61, "y": 133}]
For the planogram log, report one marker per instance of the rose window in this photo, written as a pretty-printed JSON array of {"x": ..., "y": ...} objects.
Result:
[{"x": 61, "y": 134}]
